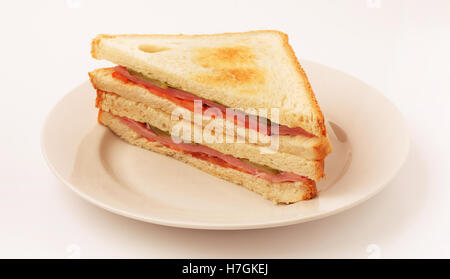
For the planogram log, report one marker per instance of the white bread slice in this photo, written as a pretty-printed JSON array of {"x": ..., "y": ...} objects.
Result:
[
  {"x": 285, "y": 193},
  {"x": 141, "y": 112},
  {"x": 315, "y": 148},
  {"x": 255, "y": 69}
]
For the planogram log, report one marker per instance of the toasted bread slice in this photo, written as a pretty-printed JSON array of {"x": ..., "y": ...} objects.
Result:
[
  {"x": 309, "y": 148},
  {"x": 249, "y": 70},
  {"x": 287, "y": 192}
]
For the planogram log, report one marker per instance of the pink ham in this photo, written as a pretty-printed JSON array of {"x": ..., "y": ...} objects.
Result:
[{"x": 142, "y": 130}]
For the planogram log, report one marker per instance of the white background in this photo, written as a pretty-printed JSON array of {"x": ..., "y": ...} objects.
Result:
[{"x": 399, "y": 47}]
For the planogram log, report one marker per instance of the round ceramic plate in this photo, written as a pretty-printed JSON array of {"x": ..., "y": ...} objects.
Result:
[{"x": 369, "y": 137}]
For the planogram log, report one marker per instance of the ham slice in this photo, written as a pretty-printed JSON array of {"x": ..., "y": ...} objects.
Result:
[
  {"x": 211, "y": 155},
  {"x": 186, "y": 100}
]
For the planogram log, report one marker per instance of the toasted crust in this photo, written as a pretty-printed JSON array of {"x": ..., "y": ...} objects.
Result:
[
  {"x": 232, "y": 66},
  {"x": 320, "y": 120},
  {"x": 315, "y": 148},
  {"x": 277, "y": 192},
  {"x": 95, "y": 44},
  {"x": 249, "y": 77}
]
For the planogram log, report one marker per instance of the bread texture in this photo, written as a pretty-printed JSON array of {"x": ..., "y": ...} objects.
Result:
[
  {"x": 141, "y": 112},
  {"x": 248, "y": 70},
  {"x": 284, "y": 193},
  {"x": 309, "y": 148}
]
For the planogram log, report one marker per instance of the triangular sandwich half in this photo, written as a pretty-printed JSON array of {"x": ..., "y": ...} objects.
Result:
[{"x": 247, "y": 72}]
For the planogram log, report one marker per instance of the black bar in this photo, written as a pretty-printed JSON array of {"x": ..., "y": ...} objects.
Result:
[{"x": 223, "y": 268}]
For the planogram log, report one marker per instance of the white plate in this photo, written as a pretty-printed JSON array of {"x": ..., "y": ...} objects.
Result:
[{"x": 370, "y": 142}]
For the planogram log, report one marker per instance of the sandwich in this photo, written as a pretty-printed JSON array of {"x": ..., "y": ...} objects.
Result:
[{"x": 236, "y": 105}]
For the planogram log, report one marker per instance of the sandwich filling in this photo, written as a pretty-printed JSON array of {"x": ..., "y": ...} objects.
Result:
[
  {"x": 213, "y": 156},
  {"x": 186, "y": 100}
]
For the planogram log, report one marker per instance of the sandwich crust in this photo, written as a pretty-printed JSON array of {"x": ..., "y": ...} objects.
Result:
[
  {"x": 319, "y": 124},
  {"x": 284, "y": 193}
]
